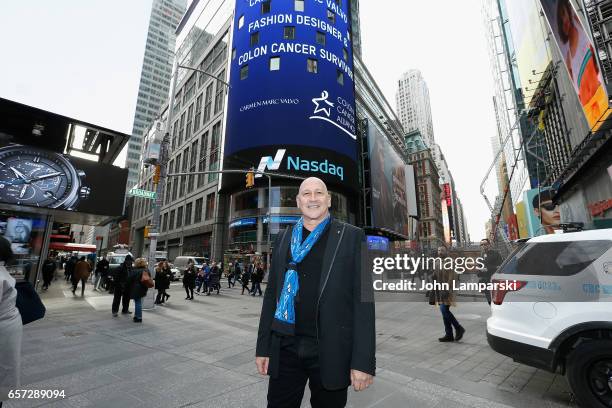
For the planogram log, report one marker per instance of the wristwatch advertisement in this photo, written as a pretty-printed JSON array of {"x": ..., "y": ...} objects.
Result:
[{"x": 41, "y": 178}]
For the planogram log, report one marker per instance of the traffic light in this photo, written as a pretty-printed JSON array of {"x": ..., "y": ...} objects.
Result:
[
  {"x": 157, "y": 174},
  {"x": 250, "y": 179},
  {"x": 146, "y": 231}
]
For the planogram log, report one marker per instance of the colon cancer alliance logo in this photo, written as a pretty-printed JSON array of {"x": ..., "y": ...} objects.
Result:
[
  {"x": 299, "y": 164},
  {"x": 340, "y": 113}
]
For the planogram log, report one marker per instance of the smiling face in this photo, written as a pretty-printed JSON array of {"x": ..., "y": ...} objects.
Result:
[{"x": 313, "y": 200}]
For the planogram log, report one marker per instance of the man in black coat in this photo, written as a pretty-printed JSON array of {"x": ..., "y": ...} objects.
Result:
[
  {"x": 121, "y": 292},
  {"x": 492, "y": 261},
  {"x": 333, "y": 343}
]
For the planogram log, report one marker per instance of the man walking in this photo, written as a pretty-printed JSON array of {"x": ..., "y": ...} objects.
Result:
[
  {"x": 121, "y": 292},
  {"x": 48, "y": 271},
  {"x": 314, "y": 324},
  {"x": 492, "y": 260},
  {"x": 100, "y": 273}
]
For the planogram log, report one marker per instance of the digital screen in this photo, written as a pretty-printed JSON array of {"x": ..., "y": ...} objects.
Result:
[
  {"x": 376, "y": 243},
  {"x": 291, "y": 105},
  {"x": 35, "y": 177}
]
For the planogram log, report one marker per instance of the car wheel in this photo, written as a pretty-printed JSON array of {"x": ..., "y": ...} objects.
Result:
[{"x": 590, "y": 373}]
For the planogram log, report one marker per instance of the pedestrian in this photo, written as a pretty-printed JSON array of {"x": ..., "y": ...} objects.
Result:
[
  {"x": 215, "y": 279},
  {"x": 189, "y": 280},
  {"x": 257, "y": 279},
  {"x": 244, "y": 279},
  {"x": 11, "y": 327},
  {"x": 330, "y": 344},
  {"x": 200, "y": 277},
  {"x": 492, "y": 260},
  {"x": 445, "y": 298},
  {"x": 237, "y": 272},
  {"x": 120, "y": 292},
  {"x": 230, "y": 276},
  {"x": 69, "y": 269},
  {"x": 48, "y": 271},
  {"x": 136, "y": 287},
  {"x": 100, "y": 273},
  {"x": 162, "y": 282},
  {"x": 82, "y": 269}
]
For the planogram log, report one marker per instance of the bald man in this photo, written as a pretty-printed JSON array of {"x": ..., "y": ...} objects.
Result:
[{"x": 317, "y": 318}]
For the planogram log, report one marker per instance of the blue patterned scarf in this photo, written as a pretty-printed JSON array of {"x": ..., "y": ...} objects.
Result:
[{"x": 284, "y": 317}]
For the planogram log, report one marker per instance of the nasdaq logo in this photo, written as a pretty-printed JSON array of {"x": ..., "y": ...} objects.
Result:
[
  {"x": 269, "y": 163},
  {"x": 297, "y": 163}
]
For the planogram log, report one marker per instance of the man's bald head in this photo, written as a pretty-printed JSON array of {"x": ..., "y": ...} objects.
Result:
[
  {"x": 312, "y": 182},
  {"x": 313, "y": 200}
]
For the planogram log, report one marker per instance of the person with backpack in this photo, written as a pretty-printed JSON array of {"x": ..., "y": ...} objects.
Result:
[{"x": 138, "y": 283}]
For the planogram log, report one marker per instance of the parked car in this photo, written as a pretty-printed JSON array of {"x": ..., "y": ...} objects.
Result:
[
  {"x": 558, "y": 317},
  {"x": 181, "y": 262},
  {"x": 177, "y": 274}
]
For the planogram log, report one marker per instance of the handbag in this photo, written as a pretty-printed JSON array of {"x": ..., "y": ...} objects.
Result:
[
  {"x": 28, "y": 302},
  {"x": 146, "y": 280}
]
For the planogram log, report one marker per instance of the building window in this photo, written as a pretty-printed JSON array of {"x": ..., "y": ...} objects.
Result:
[
  {"x": 188, "y": 209},
  {"x": 312, "y": 65},
  {"x": 345, "y": 54},
  {"x": 171, "y": 222},
  {"x": 181, "y": 129},
  {"x": 321, "y": 38},
  {"x": 340, "y": 77},
  {"x": 214, "y": 152},
  {"x": 208, "y": 102},
  {"x": 179, "y": 217},
  {"x": 331, "y": 16},
  {"x": 289, "y": 33},
  {"x": 265, "y": 7},
  {"x": 210, "y": 206},
  {"x": 220, "y": 94},
  {"x": 254, "y": 38},
  {"x": 244, "y": 72},
  {"x": 189, "y": 122},
  {"x": 198, "y": 113},
  {"x": 299, "y": 5},
  {"x": 197, "y": 217},
  {"x": 241, "y": 22},
  {"x": 165, "y": 222},
  {"x": 274, "y": 63}
]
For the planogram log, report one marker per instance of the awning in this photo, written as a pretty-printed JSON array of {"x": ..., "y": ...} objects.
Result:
[{"x": 70, "y": 247}]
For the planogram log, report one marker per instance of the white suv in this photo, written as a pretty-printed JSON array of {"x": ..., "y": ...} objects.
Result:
[{"x": 558, "y": 316}]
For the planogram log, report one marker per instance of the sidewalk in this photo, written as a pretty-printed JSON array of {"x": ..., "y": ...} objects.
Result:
[{"x": 201, "y": 354}]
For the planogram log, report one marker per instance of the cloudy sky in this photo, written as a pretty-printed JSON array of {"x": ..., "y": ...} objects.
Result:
[{"x": 83, "y": 59}]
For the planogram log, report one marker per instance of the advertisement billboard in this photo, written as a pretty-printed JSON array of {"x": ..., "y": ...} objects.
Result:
[
  {"x": 543, "y": 216},
  {"x": 579, "y": 57},
  {"x": 291, "y": 104},
  {"x": 40, "y": 178},
  {"x": 388, "y": 182}
]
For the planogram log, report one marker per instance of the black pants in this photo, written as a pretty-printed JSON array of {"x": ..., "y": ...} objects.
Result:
[
  {"x": 75, "y": 283},
  {"x": 299, "y": 361},
  {"x": 189, "y": 290},
  {"x": 160, "y": 296},
  {"x": 120, "y": 295}
]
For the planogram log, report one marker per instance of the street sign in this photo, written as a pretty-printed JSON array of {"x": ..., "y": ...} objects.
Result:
[{"x": 137, "y": 192}]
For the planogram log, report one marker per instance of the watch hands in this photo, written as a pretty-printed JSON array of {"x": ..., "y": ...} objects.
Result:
[
  {"x": 20, "y": 175},
  {"x": 44, "y": 176}
]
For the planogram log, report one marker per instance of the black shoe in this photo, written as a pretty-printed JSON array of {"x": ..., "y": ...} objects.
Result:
[
  {"x": 460, "y": 332},
  {"x": 446, "y": 339},
  {"x": 127, "y": 312},
  {"x": 137, "y": 320},
  {"x": 115, "y": 315},
  {"x": 187, "y": 298}
]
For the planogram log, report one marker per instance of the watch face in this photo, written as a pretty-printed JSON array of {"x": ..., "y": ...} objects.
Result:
[{"x": 30, "y": 176}]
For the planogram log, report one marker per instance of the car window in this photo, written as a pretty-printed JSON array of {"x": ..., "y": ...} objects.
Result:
[
  {"x": 199, "y": 261},
  {"x": 554, "y": 258},
  {"x": 114, "y": 260}
]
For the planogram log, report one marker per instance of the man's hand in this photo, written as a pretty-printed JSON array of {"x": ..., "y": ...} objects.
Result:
[
  {"x": 360, "y": 380},
  {"x": 262, "y": 364}
]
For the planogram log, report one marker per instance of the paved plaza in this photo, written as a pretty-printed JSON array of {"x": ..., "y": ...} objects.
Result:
[{"x": 200, "y": 353}]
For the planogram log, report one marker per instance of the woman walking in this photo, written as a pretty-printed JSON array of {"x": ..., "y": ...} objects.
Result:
[
  {"x": 189, "y": 279},
  {"x": 11, "y": 328},
  {"x": 445, "y": 299},
  {"x": 136, "y": 287},
  {"x": 162, "y": 282}
]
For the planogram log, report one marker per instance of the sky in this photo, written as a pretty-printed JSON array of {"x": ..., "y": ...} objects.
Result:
[
  {"x": 446, "y": 41},
  {"x": 83, "y": 59}
]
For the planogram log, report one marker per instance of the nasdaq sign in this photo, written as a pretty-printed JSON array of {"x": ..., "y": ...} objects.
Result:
[{"x": 292, "y": 90}]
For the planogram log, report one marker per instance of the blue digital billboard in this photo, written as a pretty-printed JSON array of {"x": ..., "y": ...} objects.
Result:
[{"x": 291, "y": 103}]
